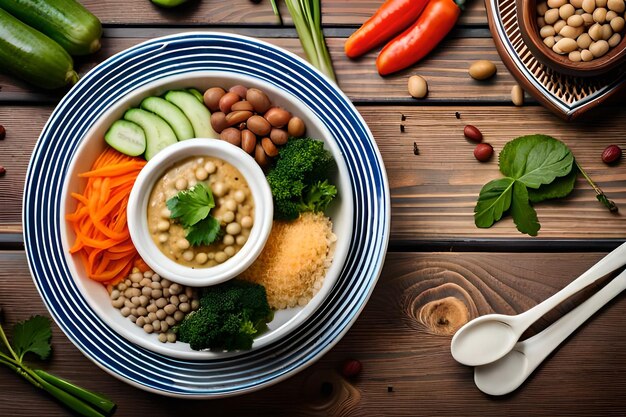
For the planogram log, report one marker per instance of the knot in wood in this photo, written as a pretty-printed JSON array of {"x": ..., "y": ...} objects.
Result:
[{"x": 443, "y": 317}]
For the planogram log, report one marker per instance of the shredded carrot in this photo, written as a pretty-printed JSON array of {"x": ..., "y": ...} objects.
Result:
[{"x": 102, "y": 239}]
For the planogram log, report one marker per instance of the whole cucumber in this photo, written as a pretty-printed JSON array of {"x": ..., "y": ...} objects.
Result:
[
  {"x": 65, "y": 21},
  {"x": 32, "y": 56}
]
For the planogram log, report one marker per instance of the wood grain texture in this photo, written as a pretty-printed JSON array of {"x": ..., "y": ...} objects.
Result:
[
  {"x": 407, "y": 367},
  {"x": 245, "y": 12},
  {"x": 445, "y": 70},
  {"x": 432, "y": 194}
]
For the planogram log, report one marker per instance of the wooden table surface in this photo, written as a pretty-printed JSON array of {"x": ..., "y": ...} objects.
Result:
[{"x": 437, "y": 261}]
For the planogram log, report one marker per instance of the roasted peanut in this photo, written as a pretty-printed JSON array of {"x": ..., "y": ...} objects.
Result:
[
  {"x": 259, "y": 125},
  {"x": 248, "y": 141},
  {"x": 258, "y": 99},
  {"x": 212, "y": 98},
  {"x": 296, "y": 127},
  {"x": 227, "y": 101},
  {"x": 277, "y": 117},
  {"x": 278, "y": 136}
]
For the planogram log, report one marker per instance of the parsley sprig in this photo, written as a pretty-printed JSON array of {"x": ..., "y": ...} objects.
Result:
[
  {"x": 33, "y": 336},
  {"x": 192, "y": 208}
]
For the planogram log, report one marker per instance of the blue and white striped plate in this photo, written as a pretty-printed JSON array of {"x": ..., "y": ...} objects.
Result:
[{"x": 149, "y": 62}]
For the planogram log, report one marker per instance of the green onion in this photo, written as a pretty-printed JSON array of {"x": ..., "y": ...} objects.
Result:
[{"x": 307, "y": 17}]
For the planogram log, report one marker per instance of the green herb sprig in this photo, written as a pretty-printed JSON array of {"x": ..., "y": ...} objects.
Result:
[
  {"x": 33, "y": 336},
  {"x": 537, "y": 168},
  {"x": 191, "y": 208}
]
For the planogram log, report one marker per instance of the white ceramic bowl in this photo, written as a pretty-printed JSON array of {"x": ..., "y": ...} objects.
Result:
[
  {"x": 285, "y": 321},
  {"x": 137, "y": 212}
]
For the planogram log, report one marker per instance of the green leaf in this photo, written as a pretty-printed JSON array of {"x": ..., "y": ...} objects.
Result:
[
  {"x": 32, "y": 335},
  {"x": 204, "y": 232},
  {"x": 524, "y": 215},
  {"x": 558, "y": 188},
  {"x": 191, "y": 206},
  {"x": 494, "y": 199},
  {"x": 535, "y": 160}
]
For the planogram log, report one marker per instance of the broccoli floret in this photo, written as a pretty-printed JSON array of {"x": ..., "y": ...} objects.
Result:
[
  {"x": 299, "y": 180},
  {"x": 230, "y": 314}
]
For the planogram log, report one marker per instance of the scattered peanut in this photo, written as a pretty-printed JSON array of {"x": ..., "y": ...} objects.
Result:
[
  {"x": 482, "y": 69},
  {"x": 418, "y": 88},
  {"x": 517, "y": 95}
]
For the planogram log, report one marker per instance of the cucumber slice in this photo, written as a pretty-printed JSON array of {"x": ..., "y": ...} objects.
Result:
[
  {"x": 196, "y": 112},
  {"x": 126, "y": 137},
  {"x": 171, "y": 114},
  {"x": 158, "y": 133},
  {"x": 197, "y": 94}
]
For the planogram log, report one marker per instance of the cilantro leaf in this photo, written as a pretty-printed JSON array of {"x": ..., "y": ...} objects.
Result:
[
  {"x": 32, "y": 335},
  {"x": 535, "y": 160},
  {"x": 524, "y": 215},
  {"x": 204, "y": 232},
  {"x": 558, "y": 188},
  {"x": 191, "y": 206},
  {"x": 494, "y": 199}
]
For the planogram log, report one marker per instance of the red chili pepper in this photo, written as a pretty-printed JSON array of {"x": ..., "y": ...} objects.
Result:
[
  {"x": 437, "y": 19},
  {"x": 390, "y": 19}
]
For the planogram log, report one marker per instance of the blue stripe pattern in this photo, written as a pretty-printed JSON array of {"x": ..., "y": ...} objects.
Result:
[{"x": 151, "y": 61}]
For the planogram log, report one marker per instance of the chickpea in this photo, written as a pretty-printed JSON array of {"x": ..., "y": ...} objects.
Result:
[
  {"x": 183, "y": 244},
  {"x": 241, "y": 240},
  {"x": 239, "y": 196},
  {"x": 228, "y": 217},
  {"x": 181, "y": 184},
  {"x": 228, "y": 240},
  {"x": 201, "y": 258},
  {"x": 188, "y": 255},
  {"x": 163, "y": 225},
  {"x": 233, "y": 228},
  {"x": 221, "y": 257},
  {"x": 246, "y": 222},
  {"x": 229, "y": 250},
  {"x": 230, "y": 205},
  {"x": 210, "y": 167},
  {"x": 219, "y": 189},
  {"x": 201, "y": 174}
]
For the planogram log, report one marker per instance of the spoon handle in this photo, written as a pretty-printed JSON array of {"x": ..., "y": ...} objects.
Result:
[
  {"x": 609, "y": 263},
  {"x": 538, "y": 347}
]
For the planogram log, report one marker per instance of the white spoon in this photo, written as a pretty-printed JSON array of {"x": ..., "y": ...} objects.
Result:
[
  {"x": 509, "y": 372},
  {"x": 488, "y": 338}
]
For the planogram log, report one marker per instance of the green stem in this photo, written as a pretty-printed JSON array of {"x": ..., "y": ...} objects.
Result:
[
  {"x": 307, "y": 19},
  {"x": 610, "y": 204},
  {"x": 87, "y": 396},
  {"x": 66, "y": 398},
  {"x": 18, "y": 370},
  {"x": 4, "y": 339},
  {"x": 276, "y": 12}
]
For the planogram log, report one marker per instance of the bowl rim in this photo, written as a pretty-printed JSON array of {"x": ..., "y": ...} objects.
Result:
[
  {"x": 529, "y": 31},
  {"x": 137, "y": 217}
]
